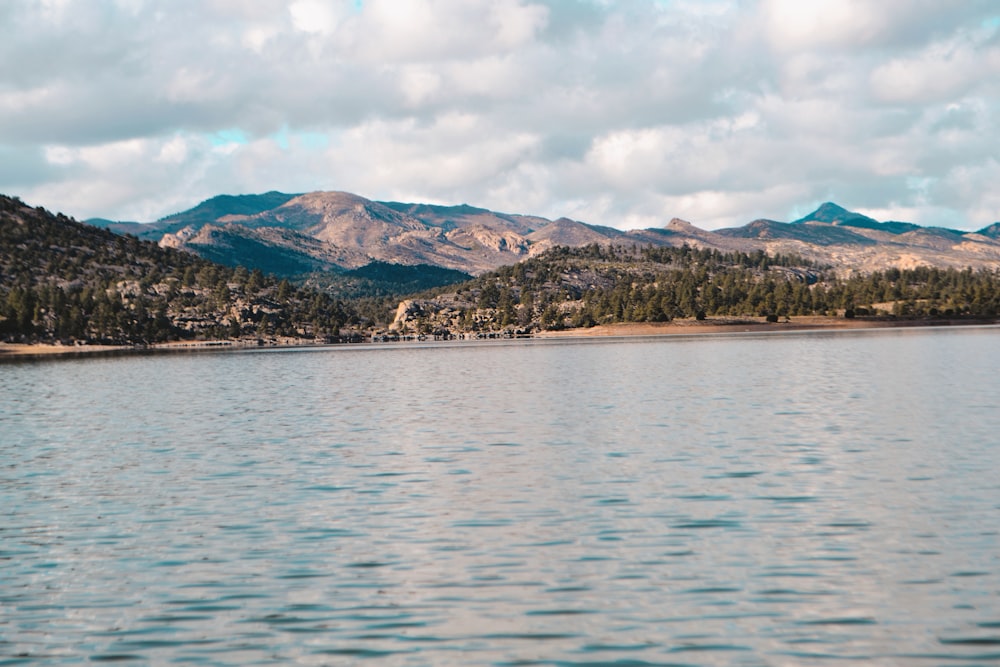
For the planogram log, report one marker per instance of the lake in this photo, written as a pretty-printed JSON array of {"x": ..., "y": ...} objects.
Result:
[{"x": 788, "y": 499}]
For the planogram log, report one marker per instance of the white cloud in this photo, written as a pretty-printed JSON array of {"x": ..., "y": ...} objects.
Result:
[
  {"x": 106, "y": 157},
  {"x": 406, "y": 31},
  {"x": 174, "y": 151},
  {"x": 615, "y": 113},
  {"x": 28, "y": 100},
  {"x": 190, "y": 85},
  {"x": 313, "y": 16},
  {"x": 256, "y": 37},
  {"x": 853, "y": 24},
  {"x": 939, "y": 73},
  {"x": 53, "y": 10},
  {"x": 390, "y": 159},
  {"x": 419, "y": 84},
  {"x": 794, "y": 25},
  {"x": 62, "y": 156}
]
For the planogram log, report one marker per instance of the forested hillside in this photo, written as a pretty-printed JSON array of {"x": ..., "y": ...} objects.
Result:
[
  {"x": 65, "y": 281},
  {"x": 581, "y": 287},
  {"x": 61, "y": 280}
]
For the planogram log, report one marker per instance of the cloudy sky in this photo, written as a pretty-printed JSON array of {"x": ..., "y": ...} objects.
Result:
[{"x": 618, "y": 113}]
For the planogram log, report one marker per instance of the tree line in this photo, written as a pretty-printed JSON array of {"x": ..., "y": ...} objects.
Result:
[
  {"x": 581, "y": 287},
  {"x": 63, "y": 280}
]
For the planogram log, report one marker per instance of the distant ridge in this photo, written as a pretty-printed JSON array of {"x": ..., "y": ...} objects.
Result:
[
  {"x": 992, "y": 231},
  {"x": 463, "y": 215},
  {"x": 823, "y": 235},
  {"x": 341, "y": 231},
  {"x": 572, "y": 233},
  {"x": 833, "y": 214},
  {"x": 225, "y": 205}
]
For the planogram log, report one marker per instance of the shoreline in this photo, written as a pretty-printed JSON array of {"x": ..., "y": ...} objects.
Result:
[
  {"x": 54, "y": 350},
  {"x": 685, "y": 327},
  {"x": 754, "y": 325}
]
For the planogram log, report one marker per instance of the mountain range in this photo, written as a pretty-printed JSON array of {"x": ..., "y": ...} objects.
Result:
[
  {"x": 293, "y": 234},
  {"x": 61, "y": 280}
]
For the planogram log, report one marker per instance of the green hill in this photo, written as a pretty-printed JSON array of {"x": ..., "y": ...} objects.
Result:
[{"x": 219, "y": 206}]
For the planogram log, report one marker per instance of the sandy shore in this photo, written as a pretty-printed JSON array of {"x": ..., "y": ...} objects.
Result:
[
  {"x": 745, "y": 324},
  {"x": 675, "y": 328},
  {"x": 47, "y": 350}
]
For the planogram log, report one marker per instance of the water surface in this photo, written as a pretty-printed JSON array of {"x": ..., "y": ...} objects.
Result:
[{"x": 805, "y": 499}]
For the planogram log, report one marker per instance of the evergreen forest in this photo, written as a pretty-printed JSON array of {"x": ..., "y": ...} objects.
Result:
[
  {"x": 591, "y": 285},
  {"x": 63, "y": 281}
]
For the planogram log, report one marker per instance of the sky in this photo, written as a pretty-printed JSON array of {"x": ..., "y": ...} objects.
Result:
[{"x": 624, "y": 114}]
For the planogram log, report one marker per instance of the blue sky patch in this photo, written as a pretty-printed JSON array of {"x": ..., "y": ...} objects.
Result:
[{"x": 230, "y": 136}]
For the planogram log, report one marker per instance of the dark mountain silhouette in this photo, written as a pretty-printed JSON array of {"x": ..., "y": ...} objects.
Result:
[
  {"x": 220, "y": 206},
  {"x": 816, "y": 234},
  {"x": 992, "y": 231},
  {"x": 833, "y": 214}
]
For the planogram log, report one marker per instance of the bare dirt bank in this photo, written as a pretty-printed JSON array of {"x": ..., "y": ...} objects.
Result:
[
  {"x": 746, "y": 324},
  {"x": 47, "y": 350},
  {"x": 9, "y": 350},
  {"x": 687, "y": 327}
]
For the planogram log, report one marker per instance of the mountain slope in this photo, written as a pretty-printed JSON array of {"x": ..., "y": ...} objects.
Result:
[
  {"x": 283, "y": 252},
  {"x": 221, "y": 206},
  {"x": 833, "y": 214},
  {"x": 358, "y": 231},
  {"x": 64, "y": 280},
  {"x": 330, "y": 231},
  {"x": 806, "y": 232},
  {"x": 464, "y": 216},
  {"x": 992, "y": 231},
  {"x": 572, "y": 233},
  {"x": 340, "y": 218}
]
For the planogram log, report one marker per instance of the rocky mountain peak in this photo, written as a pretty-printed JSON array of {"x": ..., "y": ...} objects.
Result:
[
  {"x": 835, "y": 214},
  {"x": 679, "y": 225}
]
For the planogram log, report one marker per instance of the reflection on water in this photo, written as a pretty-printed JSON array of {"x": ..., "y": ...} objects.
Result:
[{"x": 780, "y": 500}]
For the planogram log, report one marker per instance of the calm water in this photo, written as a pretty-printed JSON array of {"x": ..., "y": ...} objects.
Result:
[{"x": 807, "y": 499}]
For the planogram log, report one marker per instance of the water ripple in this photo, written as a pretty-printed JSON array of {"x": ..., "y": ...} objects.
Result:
[{"x": 707, "y": 502}]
